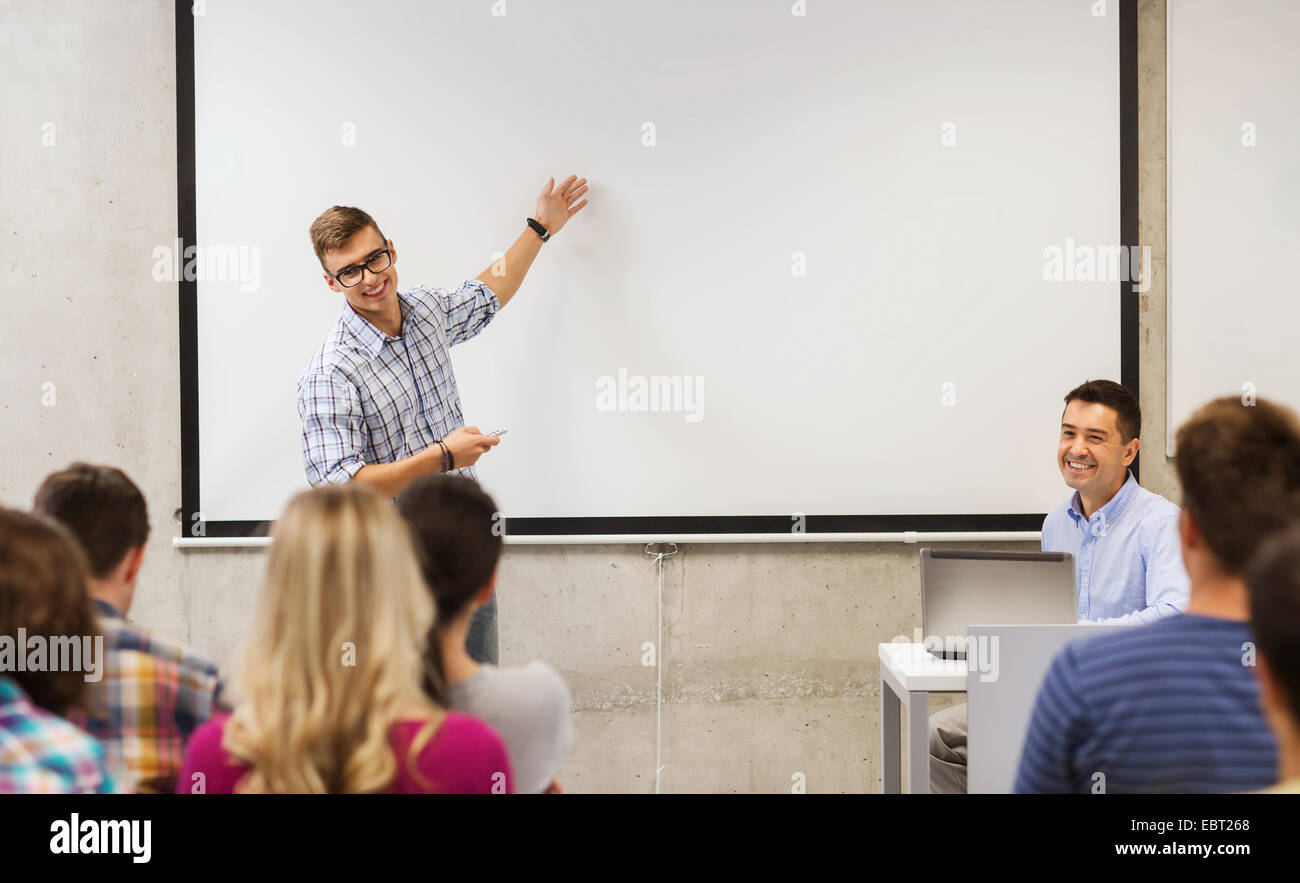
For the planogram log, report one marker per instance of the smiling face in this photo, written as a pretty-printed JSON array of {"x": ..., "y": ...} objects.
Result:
[
  {"x": 375, "y": 296},
  {"x": 1092, "y": 455}
]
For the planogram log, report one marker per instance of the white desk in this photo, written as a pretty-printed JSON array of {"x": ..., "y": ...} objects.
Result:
[{"x": 910, "y": 671}]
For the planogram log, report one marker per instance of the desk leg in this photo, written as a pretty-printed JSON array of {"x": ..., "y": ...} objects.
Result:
[
  {"x": 891, "y": 756},
  {"x": 918, "y": 742}
]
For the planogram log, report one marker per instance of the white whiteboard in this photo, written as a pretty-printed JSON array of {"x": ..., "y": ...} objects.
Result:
[
  {"x": 1234, "y": 202},
  {"x": 775, "y": 135}
]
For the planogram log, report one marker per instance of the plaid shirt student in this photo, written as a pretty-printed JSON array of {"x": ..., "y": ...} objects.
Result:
[
  {"x": 368, "y": 398},
  {"x": 41, "y": 753},
  {"x": 154, "y": 694}
]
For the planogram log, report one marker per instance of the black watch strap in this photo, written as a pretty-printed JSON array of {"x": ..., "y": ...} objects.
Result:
[{"x": 539, "y": 229}]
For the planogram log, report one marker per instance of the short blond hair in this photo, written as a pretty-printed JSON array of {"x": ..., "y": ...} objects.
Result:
[{"x": 336, "y": 225}]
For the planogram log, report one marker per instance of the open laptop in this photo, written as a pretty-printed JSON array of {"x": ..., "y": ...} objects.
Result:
[{"x": 961, "y": 588}]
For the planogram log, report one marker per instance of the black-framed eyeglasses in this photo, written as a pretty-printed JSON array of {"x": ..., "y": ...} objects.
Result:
[{"x": 350, "y": 276}]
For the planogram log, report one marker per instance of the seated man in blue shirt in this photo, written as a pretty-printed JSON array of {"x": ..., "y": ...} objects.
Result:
[
  {"x": 1174, "y": 706},
  {"x": 1123, "y": 537}
]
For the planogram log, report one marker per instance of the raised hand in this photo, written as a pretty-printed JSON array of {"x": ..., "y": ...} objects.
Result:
[{"x": 555, "y": 205}]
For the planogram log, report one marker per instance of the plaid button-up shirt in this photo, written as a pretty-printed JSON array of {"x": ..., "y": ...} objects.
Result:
[
  {"x": 369, "y": 398},
  {"x": 153, "y": 695},
  {"x": 41, "y": 753}
]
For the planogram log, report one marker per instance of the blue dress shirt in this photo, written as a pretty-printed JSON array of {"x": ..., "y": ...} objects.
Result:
[{"x": 1128, "y": 559}]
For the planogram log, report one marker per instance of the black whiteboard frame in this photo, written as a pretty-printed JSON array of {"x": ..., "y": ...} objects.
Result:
[{"x": 191, "y": 507}]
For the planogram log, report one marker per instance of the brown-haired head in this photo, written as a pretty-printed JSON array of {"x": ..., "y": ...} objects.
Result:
[
  {"x": 102, "y": 508},
  {"x": 335, "y": 226},
  {"x": 458, "y": 544},
  {"x": 455, "y": 524},
  {"x": 1239, "y": 467},
  {"x": 360, "y": 263},
  {"x": 43, "y": 591}
]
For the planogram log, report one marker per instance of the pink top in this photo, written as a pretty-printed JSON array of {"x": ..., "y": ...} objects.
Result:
[{"x": 465, "y": 756}]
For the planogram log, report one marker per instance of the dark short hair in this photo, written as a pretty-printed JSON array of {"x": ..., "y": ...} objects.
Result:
[
  {"x": 1273, "y": 581},
  {"x": 101, "y": 506},
  {"x": 43, "y": 590},
  {"x": 1115, "y": 396},
  {"x": 1239, "y": 467},
  {"x": 454, "y": 522}
]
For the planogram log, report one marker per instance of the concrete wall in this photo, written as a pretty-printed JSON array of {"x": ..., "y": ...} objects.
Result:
[{"x": 768, "y": 659}]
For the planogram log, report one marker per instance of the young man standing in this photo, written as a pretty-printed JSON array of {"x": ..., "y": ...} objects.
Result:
[
  {"x": 1123, "y": 537},
  {"x": 1173, "y": 706},
  {"x": 379, "y": 402}
]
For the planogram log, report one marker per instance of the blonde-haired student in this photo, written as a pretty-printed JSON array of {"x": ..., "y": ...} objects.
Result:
[{"x": 331, "y": 698}]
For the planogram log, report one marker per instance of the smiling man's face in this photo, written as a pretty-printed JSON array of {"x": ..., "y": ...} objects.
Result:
[
  {"x": 375, "y": 295},
  {"x": 1092, "y": 455}
]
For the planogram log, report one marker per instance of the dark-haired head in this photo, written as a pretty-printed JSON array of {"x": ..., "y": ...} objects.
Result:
[
  {"x": 457, "y": 529},
  {"x": 1117, "y": 397},
  {"x": 1099, "y": 439},
  {"x": 43, "y": 592},
  {"x": 457, "y": 538},
  {"x": 102, "y": 508},
  {"x": 1273, "y": 584}
]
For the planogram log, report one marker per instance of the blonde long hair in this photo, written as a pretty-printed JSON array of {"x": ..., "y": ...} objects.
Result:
[{"x": 335, "y": 658}]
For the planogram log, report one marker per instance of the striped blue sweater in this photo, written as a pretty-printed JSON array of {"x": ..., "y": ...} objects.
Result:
[{"x": 1167, "y": 707}]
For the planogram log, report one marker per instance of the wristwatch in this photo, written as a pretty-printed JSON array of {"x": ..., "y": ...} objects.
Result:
[{"x": 539, "y": 229}]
